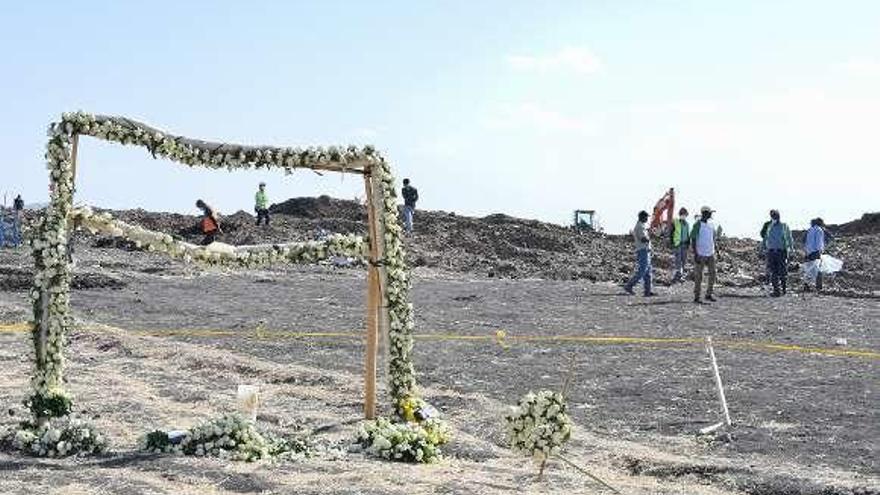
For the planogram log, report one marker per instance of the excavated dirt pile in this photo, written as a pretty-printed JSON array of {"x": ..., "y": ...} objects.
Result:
[{"x": 502, "y": 246}]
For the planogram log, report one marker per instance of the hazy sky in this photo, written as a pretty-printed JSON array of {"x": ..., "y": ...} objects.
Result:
[{"x": 528, "y": 108}]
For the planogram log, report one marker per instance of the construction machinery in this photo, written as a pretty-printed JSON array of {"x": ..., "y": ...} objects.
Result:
[
  {"x": 664, "y": 213},
  {"x": 585, "y": 220}
]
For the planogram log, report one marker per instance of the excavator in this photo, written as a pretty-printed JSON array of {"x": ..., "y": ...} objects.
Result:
[
  {"x": 585, "y": 220},
  {"x": 664, "y": 213},
  {"x": 661, "y": 219}
]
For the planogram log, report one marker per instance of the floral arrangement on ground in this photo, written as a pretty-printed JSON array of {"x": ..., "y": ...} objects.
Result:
[
  {"x": 56, "y": 437},
  {"x": 404, "y": 441},
  {"x": 539, "y": 426},
  {"x": 227, "y": 437}
]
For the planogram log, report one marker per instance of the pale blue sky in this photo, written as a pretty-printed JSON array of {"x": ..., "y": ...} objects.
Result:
[{"x": 528, "y": 108}]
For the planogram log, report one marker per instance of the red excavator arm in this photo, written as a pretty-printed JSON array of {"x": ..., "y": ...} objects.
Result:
[{"x": 664, "y": 212}]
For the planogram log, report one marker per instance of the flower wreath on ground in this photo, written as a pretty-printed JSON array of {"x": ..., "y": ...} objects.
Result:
[{"x": 539, "y": 425}]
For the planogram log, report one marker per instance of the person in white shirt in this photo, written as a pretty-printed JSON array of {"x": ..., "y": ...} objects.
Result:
[
  {"x": 643, "y": 256},
  {"x": 703, "y": 242}
]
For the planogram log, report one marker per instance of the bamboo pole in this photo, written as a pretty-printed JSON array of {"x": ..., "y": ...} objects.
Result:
[{"x": 372, "y": 309}]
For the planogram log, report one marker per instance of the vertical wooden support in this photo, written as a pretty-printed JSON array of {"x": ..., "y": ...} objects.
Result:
[
  {"x": 377, "y": 309},
  {"x": 73, "y": 162},
  {"x": 378, "y": 204},
  {"x": 373, "y": 302}
]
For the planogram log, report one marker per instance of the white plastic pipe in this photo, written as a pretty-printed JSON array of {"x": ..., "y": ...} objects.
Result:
[{"x": 720, "y": 387}]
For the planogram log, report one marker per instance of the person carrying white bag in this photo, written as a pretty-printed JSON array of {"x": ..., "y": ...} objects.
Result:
[{"x": 815, "y": 262}]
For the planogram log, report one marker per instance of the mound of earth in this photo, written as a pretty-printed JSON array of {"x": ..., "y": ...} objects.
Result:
[{"x": 868, "y": 224}]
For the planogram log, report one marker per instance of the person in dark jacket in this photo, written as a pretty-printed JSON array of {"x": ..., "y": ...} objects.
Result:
[
  {"x": 410, "y": 197},
  {"x": 17, "y": 214},
  {"x": 209, "y": 224}
]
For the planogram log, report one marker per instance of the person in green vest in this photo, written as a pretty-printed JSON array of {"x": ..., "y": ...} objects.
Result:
[
  {"x": 261, "y": 200},
  {"x": 680, "y": 241}
]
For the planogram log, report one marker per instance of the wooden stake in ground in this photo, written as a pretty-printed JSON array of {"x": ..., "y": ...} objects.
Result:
[
  {"x": 718, "y": 383},
  {"x": 566, "y": 385},
  {"x": 373, "y": 304}
]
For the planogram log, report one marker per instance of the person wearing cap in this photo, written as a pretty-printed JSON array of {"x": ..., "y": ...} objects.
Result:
[
  {"x": 814, "y": 246},
  {"x": 703, "y": 242},
  {"x": 643, "y": 256},
  {"x": 679, "y": 238},
  {"x": 261, "y": 200},
  {"x": 777, "y": 243}
]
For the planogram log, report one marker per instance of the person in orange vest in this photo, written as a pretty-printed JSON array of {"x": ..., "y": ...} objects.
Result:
[{"x": 209, "y": 224}]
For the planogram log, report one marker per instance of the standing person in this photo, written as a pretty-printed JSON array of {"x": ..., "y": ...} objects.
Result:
[
  {"x": 681, "y": 232},
  {"x": 18, "y": 213},
  {"x": 703, "y": 242},
  {"x": 643, "y": 256},
  {"x": 209, "y": 224},
  {"x": 762, "y": 254},
  {"x": 261, "y": 204},
  {"x": 777, "y": 243},
  {"x": 814, "y": 246},
  {"x": 410, "y": 196},
  {"x": 3, "y": 227}
]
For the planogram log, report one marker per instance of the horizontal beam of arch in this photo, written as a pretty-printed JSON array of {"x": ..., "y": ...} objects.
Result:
[{"x": 211, "y": 154}]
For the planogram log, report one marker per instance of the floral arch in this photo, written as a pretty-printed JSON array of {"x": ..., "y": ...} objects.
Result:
[{"x": 388, "y": 308}]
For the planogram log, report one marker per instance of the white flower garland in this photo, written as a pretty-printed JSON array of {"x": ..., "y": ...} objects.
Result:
[
  {"x": 349, "y": 246},
  {"x": 50, "y": 294},
  {"x": 539, "y": 425},
  {"x": 402, "y": 382},
  {"x": 404, "y": 441}
]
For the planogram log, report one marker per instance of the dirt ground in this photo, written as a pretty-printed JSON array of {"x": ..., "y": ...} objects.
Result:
[{"x": 805, "y": 412}]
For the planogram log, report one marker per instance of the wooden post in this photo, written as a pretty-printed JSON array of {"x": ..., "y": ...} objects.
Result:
[
  {"x": 378, "y": 205},
  {"x": 372, "y": 308},
  {"x": 73, "y": 162}
]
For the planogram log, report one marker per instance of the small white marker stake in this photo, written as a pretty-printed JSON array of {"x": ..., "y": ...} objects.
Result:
[{"x": 721, "y": 397}]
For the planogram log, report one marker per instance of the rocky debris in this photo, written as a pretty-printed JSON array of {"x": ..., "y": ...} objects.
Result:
[
  {"x": 506, "y": 247},
  {"x": 868, "y": 224}
]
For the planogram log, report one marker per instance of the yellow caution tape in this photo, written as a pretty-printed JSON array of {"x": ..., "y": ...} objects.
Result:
[{"x": 500, "y": 337}]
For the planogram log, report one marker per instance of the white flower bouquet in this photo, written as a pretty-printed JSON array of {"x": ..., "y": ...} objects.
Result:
[
  {"x": 539, "y": 425},
  {"x": 228, "y": 437},
  {"x": 58, "y": 437},
  {"x": 404, "y": 441}
]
